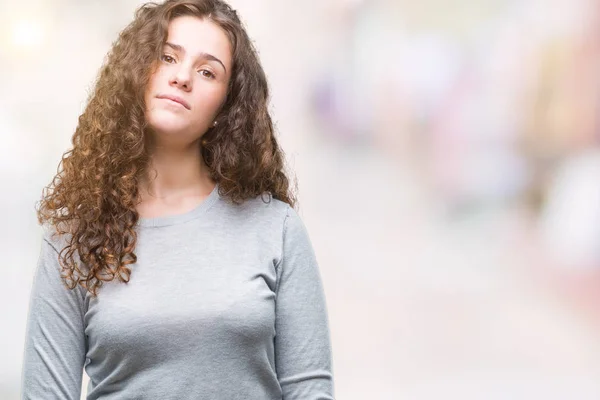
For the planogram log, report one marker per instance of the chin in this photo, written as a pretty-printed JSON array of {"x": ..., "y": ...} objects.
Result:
[{"x": 166, "y": 122}]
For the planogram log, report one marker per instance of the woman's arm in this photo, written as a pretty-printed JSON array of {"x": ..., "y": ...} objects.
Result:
[
  {"x": 302, "y": 343},
  {"x": 54, "y": 351}
]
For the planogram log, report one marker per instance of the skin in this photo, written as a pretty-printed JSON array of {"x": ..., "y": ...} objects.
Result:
[{"x": 195, "y": 66}]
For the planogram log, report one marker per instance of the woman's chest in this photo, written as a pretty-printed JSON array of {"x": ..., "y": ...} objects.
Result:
[{"x": 189, "y": 295}]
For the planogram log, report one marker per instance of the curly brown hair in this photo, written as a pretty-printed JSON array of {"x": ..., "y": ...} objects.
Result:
[{"x": 92, "y": 199}]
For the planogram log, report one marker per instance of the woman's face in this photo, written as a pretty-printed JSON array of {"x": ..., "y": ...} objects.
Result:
[{"x": 190, "y": 83}]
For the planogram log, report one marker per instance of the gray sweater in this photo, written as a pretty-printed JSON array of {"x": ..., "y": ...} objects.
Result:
[{"x": 224, "y": 302}]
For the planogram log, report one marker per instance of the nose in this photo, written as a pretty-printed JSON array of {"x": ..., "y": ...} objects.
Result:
[{"x": 182, "y": 79}]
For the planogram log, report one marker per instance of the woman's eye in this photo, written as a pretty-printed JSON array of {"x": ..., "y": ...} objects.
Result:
[
  {"x": 207, "y": 74},
  {"x": 167, "y": 58}
]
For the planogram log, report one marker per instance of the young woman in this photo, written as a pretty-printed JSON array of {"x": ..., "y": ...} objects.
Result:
[{"x": 173, "y": 263}]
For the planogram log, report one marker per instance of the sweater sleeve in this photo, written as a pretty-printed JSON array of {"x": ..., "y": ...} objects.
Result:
[
  {"x": 302, "y": 340},
  {"x": 54, "y": 351}
]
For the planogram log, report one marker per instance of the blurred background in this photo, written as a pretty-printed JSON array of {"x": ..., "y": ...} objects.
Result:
[{"x": 448, "y": 159}]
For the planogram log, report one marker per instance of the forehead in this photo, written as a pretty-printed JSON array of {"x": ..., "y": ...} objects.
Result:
[{"x": 197, "y": 36}]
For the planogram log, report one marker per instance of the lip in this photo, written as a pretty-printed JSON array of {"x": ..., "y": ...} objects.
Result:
[{"x": 176, "y": 99}]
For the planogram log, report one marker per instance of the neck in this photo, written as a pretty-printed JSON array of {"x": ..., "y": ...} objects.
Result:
[{"x": 176, "y": 173}]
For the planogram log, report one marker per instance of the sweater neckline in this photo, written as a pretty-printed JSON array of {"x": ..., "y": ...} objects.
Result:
[{"x": 174, "y": 219}]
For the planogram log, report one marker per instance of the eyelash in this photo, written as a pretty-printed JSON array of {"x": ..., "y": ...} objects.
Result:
[{"x": 166, "y": 57}]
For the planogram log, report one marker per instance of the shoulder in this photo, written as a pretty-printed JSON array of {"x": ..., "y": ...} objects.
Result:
[
  {"x": 56, "y": 238},
  {"x": 263, "y": 209},
  {"x": 267, "y": 219},
  {"x": 280, "y": 217}
]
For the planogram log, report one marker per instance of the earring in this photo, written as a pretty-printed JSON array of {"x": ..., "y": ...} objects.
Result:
[{"x": 214, "y": 124}]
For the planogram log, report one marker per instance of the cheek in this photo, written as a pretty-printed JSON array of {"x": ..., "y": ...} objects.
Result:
[
  {"x": 210, "y": 99},
  {"x": 148, "y": 93},
  {"x": 153, "y": 81}
]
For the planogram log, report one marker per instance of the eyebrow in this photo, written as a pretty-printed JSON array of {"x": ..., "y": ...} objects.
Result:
[{"x": 208, "y": 56}]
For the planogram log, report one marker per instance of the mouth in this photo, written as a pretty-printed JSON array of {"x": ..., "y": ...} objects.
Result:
[{"x": 174, "y": 99}]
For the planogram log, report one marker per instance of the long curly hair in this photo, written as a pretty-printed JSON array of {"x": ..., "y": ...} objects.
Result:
[{"x": 92, "y": 199}]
